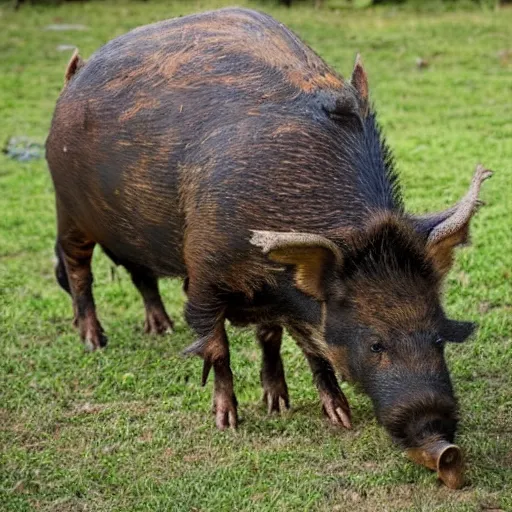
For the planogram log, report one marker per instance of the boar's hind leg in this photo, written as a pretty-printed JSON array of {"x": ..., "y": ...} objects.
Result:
[
  {"x": 74, "y": 275},
  {"x": 275, "y": 390},
  {"x": 334, "y": 403},
  {"x": 157, "y": 320},
  {"x": 207, "y": 320}
]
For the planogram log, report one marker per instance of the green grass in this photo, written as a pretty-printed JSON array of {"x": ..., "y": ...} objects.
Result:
[{"x": 128, "y": 428}]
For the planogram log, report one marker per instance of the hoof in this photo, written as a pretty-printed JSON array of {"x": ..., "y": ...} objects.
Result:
[
  {"x": 158, "y": 322},
  {"x": 92, "y": 334},
  {"x": 336, "y": 408},
  {"x": 95, "y": 340},
  {"x": 224, "y": 408},
  {"x": 276, "y": 399}
]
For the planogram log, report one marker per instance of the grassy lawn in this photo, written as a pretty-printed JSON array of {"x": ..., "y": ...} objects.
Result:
[{"x": 129, "y": 428}]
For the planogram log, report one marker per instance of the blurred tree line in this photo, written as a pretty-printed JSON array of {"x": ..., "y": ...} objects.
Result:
[
  {"x": 319, "y": 3},
  {"x": 289, "y": 3}
]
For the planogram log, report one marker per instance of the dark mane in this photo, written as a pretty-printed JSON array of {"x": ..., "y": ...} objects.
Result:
[
  {"x": 387, "y": 245},
  {"x": 376, "y": 168}
]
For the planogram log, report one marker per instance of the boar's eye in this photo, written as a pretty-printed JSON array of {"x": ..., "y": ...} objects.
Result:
[
  {"x": 439, "y": 342},
  {"x": 377, "y": 347}
]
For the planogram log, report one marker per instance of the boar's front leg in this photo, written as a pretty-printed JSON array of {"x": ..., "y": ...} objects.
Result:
[
  {"x": 207, "y": 320},
  {"x": 334, "y": 402},
  {"x": 275, "y": 390},
  {"x": 214, "y": 350},
  {"x": 224, "y": 400},
  {"x": 157, "y": 320}
]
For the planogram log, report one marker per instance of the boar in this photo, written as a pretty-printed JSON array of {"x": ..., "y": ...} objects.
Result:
[{"x": 220, "y": 148}]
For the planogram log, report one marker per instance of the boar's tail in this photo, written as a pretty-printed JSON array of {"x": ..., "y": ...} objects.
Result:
[{"x": 75, "y": 63}]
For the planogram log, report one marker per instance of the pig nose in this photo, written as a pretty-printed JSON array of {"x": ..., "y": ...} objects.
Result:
[{"x": 412, "y": 418}]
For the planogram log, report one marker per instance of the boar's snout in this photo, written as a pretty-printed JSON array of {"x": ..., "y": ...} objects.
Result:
[
  {"x": 424, "y": 423},
  {"x": 412, "y": 418}
]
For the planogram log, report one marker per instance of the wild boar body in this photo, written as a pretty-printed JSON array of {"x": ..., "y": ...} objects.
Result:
[{"x": 220, "y": 148}]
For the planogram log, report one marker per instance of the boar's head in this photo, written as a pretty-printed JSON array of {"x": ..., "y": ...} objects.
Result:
[{"x": 382, "y": 322}]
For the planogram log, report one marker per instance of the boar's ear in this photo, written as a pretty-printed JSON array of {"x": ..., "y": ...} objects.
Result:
[
  {"x": 453, "y": 330},
  {"x": 315, "y": 257},
  {"x": 359, "y": 80},
  {"x": 447, "y": 229},
  {"x": 75, "y": 63}
]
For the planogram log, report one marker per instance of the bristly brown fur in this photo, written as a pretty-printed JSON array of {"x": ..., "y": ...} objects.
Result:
[
  {"x": 389, "y": 275},
  {"x": 386, "y": 243}
]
